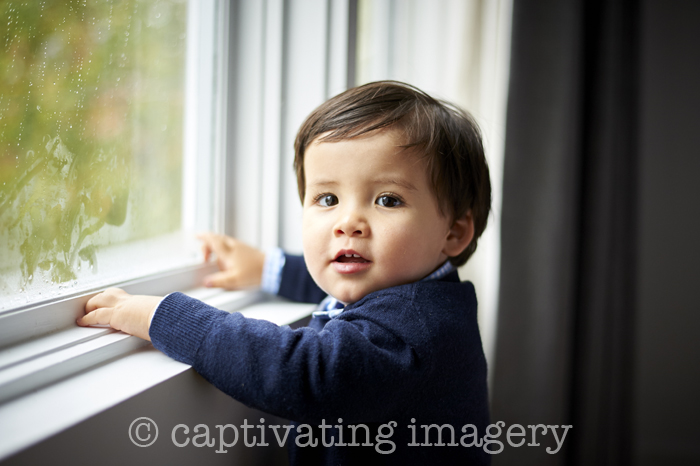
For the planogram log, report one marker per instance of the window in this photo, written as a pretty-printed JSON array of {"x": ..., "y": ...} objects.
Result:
[
  {"x": 167, "y": 117},
  {"x": 100, "y": 142},
  {"x": 111, "y": 147}
]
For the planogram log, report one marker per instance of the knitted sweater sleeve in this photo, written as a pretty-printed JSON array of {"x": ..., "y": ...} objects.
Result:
[{"x": 300, "y": 374}]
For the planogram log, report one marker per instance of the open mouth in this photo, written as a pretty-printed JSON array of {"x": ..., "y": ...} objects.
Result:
[
  {"x": 349, "y": 262},
  {"x": 350, "y": 257}
]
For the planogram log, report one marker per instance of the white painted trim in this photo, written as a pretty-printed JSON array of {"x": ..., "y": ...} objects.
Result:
[
  {"x": 271, "y": 129},
  {"x": 246, "y": 120},
  {"x": 42, "y": 413},
  {"x": 29, "y": 375},
  {"x": 53, "y": 316},
  {"x": 202, "y": 101},
  {"x": 189, "y": 134},
  {"x": 39, "y": 415},
  {"x": 42, "y": 344},
  {"x": 337, "y": 79},
  {"x": 218, "y": 131}
]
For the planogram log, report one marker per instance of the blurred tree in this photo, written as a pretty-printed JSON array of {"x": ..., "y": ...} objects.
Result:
[{"x": 91, "y": 112}]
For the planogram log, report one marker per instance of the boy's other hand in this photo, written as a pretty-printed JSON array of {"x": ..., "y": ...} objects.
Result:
[
  {"x": 241, "y": 265},
  {"x": 121, "y": 311}
]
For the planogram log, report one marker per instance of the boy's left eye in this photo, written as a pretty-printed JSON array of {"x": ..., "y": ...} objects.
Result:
[{"x": 388, "y": 201}]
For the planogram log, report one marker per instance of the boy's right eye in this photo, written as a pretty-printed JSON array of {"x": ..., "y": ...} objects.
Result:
[{"x": 327, "y": 200}]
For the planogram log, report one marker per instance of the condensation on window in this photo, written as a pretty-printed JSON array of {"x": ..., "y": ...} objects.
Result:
[{"x": 91, "y": 121}]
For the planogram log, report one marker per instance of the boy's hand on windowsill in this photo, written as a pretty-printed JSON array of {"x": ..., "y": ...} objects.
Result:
[
  {"x": 240, "y": 265},
  {"x": 121, "y": 311}
]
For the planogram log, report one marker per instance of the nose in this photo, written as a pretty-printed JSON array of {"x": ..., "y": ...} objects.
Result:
[{"x": 352, "y": 222}]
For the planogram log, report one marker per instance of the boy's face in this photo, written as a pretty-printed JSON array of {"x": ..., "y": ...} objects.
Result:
[{"x": 367, "y": 197}]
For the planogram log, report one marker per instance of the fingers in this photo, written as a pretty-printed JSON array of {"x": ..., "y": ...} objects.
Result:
[
  {"x": 240, "y": 265},
  {"x": 100, "y": 316},
  {"x": 121, "y": 311},
  {"x": 207, "y": 249},
  {"x": 105, "y": 299},
  {"x": 220, "y": 245},
  {"x": 99, "y": 308},
  {"x": 221, "y": 280}
]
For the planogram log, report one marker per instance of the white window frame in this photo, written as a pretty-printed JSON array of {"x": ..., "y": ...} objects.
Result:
[
  {"x": 204, "y": 117},
  {"x": 45, "y": 359}
]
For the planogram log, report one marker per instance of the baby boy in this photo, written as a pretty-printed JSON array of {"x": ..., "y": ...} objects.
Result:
[{"x": 395, "y": 192}]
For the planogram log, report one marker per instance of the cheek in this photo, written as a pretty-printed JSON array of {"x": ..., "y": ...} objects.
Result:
[
  {"x": 398, "y": 241},
  {"x": 312, "y": 239},
  {"x": 315, "y": 246},
  {"x": 418, "y": 241}
]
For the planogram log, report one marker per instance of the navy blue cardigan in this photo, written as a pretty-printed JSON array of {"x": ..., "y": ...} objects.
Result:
[{"x": 410, "y": 354}]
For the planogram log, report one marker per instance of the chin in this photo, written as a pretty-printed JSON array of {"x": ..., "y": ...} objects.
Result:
[
  {"x": 350, "y": 297},
  {"x": 347, "y": 299}
]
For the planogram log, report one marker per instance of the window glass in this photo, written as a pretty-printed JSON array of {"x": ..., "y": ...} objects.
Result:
[{"x": 91, "y": 137}]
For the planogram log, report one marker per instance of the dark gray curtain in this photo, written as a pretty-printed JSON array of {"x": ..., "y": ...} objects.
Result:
[{"x": 564, "y": 352}]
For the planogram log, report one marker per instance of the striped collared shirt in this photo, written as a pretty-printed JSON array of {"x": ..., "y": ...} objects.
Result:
[{"x": 329, "y": 307}]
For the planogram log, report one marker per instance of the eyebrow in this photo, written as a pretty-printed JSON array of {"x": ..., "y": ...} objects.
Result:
[
  {"x": 397, "y": 181},
  {"x": 322, "y": 183},
  {"x": 382, "y": 181}
]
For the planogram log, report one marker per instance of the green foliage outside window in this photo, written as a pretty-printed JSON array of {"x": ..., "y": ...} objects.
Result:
[{"x": 91, "y": 118}]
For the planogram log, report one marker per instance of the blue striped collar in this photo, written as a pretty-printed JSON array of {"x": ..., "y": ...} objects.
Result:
[{"x": 331, "y": 307}]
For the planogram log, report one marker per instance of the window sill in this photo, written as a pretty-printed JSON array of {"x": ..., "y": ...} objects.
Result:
[{"x": 51, "y": 383}]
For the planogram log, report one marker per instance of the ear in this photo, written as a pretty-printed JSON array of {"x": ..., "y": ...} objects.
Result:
[{"x": 460, "y": 235}]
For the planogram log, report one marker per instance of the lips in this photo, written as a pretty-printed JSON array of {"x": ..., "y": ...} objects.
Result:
[
  {"x": 349, "y": 255},
  {"x": 348, "y": 261}
]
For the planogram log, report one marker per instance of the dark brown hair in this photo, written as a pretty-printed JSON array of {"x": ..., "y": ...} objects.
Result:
[{"x": 446, "y": 136}]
